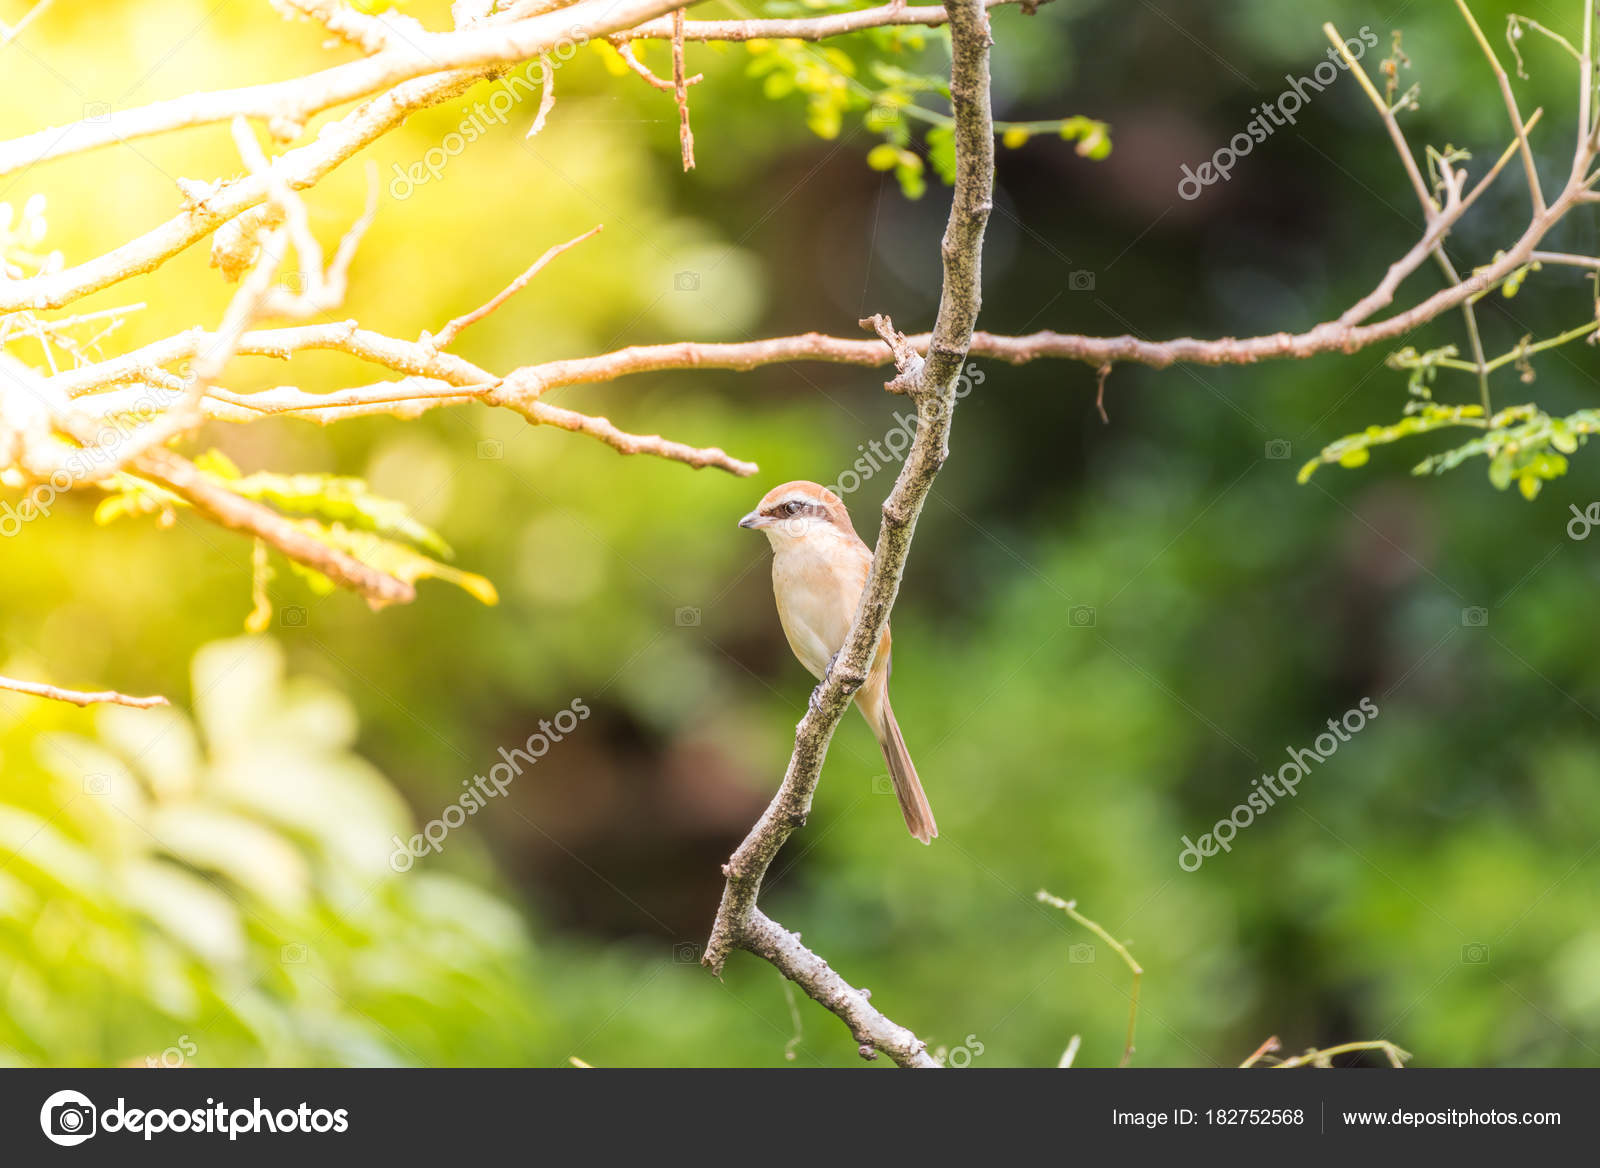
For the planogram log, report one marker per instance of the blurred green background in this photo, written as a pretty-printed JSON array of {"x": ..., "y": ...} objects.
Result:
[{"x": 1106, "y": 631}]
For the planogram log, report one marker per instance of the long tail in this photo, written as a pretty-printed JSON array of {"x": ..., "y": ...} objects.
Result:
[{"x": 907, "y": 787}]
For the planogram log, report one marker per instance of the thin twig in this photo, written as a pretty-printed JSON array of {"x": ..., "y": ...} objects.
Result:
[
  {"x": 80, "y": 697},
  {"x": 9, "y": 33},
  {"x": 547, "y": 97},
  {"x": 1270, "y": 1046},
  {"x": 1070, "y": 907},
  {"x": 1567, "y": 258},
  {"x": 1321, "y": 1058},
  {"x": 631, "y": 59},
  {"x": 460, "y": 324},
  {"x": 1510, "y": 98},
  {"x": 1389, "y": 122}
]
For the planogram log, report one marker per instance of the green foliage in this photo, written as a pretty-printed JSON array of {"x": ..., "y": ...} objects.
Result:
[
  {"x": 1056, "y": 754},
  {"x": 393, "y": 558},
  {"x": 218, "y": 891},
  {"x": 892, "y": 99},
  {"x": 1523, "y": 444},
  {"x": 338, "y": 510},
  {"x": 1355, "y": 449}
]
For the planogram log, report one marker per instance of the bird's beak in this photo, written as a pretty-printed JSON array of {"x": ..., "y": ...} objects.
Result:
[{"x": 755, "y": 520}]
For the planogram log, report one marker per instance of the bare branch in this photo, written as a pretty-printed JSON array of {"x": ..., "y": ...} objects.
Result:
[
  {"x": 437, "y": 379},
  {"x": 298, "y": 169},
  {"x": 1567, "y": 258},
  {"x": 11, "y": 32},
  {"x": 478, "y": 51},
  {"x": 457, "y": 326},
  {"x": 680, "y": 93},
  {"x": 631, "y": 59},
  {"x": 80, "y": 697},
  {"x": 806, "y": 28},
  {"x": 288, "y": 105},
  {"x": 366, "y": 33},
  {"x": 931, "y": 382},
  {"x": 1511, "y": 108},
  {"x": 872, "y": 1030}
]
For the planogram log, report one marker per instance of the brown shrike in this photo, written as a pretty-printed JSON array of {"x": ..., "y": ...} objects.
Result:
[{"x": 819, "y": 570}]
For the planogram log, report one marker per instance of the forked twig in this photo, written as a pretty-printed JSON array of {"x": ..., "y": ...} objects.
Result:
[{"x": 1070, "y": 907}]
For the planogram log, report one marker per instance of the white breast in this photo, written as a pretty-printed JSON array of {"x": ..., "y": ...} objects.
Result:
[{"x": 817, "y": 582}]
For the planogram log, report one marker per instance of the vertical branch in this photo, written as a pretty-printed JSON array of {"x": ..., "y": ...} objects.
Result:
[
  {"x": 680, "y": 92},
  {"x": 1586, "y": 80},
  {"x": 931, "y": 383}
]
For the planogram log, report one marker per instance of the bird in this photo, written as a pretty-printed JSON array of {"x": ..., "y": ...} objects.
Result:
[{"x": 819, "y": 570}]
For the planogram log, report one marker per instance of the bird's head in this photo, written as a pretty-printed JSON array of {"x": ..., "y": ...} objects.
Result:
[{"x": 797, "y": 510}]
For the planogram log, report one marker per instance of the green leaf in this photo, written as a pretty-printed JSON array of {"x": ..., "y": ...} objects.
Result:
[
  {"x": 340, "y": 499},
  {"x": 883, "y": 157},
  {"x": 1094, "y": 138},
  {"x": 909, "y": 174},
  {"x": 1354, "y": 449},
  {"x": 942, "y": 152},
  {"x": 398, "y": 560}
]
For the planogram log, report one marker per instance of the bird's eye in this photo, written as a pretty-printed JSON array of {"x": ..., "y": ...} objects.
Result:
[{"x": 790, "y": 507}]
